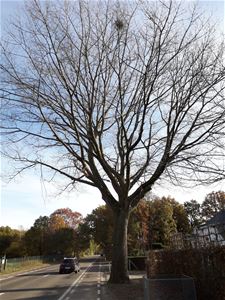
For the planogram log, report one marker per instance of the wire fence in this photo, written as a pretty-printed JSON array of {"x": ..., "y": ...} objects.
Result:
[{"x": 14, "y": 264}]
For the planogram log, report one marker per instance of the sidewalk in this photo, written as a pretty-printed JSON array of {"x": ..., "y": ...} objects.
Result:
[{"x": 132, "y": 291}]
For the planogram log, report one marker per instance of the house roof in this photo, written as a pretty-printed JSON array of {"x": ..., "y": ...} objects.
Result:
[{"x": 219, "y": 218}]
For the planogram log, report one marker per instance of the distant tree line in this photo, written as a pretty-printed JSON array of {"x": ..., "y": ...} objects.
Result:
[
  {"x": 151, "y": 225},
  {"x": 53, "y": 235},
  {"x": 152, "y": 222}
]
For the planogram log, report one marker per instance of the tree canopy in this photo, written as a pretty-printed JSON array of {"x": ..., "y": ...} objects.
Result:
[
  {"x": 56, "y": 234},
  {"x": 9, "y": 239},
  {"x": 72, "y": 219},
  {"x": 213, "y": 203},
  {"x": 133, "y": 84},
  {"x": 193, "y": 209},
  {"x": 117, "y": 96}
]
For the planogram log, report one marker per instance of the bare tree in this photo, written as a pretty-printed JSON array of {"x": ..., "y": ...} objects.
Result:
[{"x": 117, "y": 97}]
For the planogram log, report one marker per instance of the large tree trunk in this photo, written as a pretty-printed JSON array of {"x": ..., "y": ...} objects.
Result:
[{"x": 119, "y": 270}]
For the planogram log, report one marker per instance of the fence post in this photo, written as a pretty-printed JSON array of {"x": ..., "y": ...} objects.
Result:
[{"x": 4, "y": 262}]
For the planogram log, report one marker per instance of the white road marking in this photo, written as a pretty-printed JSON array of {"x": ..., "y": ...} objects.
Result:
[
  {"x": 99, "y": 283},
  {"x": 46, "y": 275},
  {"x": 2, "y": 294},
  {"x": 74, "y": 283}
]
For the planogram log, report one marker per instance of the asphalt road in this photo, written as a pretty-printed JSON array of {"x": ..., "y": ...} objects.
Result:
[{"x": 48, "y": 284}]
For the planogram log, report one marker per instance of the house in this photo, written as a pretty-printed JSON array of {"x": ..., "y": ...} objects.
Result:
[{"x": 213, "y": 231}]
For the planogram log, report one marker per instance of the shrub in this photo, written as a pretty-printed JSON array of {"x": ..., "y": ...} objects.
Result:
[{"x": 205, "y": 265}]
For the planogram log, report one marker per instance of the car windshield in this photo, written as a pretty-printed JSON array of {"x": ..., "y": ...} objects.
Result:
[{"x": 68, "y": 261}]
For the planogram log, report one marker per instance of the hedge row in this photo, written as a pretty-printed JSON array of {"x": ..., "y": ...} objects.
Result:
[{"x": 205, "y": 265}]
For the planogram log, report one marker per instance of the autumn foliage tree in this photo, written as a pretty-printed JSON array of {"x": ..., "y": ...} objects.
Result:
[
  {"x": 56, "y": 234},
  {"x": 193, "y": 209},
  {"x": 100, "y": 223},
  {"x": 138, "y": 228},
  {"x": 162, "y": 225},
  {"x": 37, "y": 236},
  {"x": 180, "y": 215},
  {"x": 212, "y": 204},
  {"x": 55, "y": 223},
  {"x": 152, "y": 221},
  {"x": 64, "y": 238},
  {"x": 116, "y": 97},
  {"x": 198, "y": 213},
  {"x": 71, "y": 219}
]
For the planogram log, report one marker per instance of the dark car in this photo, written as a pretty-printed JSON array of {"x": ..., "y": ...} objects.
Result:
[{"x": 69, "y": 265}]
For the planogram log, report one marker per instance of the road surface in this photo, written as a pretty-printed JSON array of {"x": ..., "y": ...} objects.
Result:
[{"x": 48, "y": 284}]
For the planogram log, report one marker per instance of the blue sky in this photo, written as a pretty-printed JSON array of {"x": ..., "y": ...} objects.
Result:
[{"x": 26, "y": 198}]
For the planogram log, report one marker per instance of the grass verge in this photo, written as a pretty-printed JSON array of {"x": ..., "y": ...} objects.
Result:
[{"x": 25, "y": 266}]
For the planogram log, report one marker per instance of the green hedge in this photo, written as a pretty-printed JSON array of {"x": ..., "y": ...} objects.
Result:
[{"x": 205, "y": 265}]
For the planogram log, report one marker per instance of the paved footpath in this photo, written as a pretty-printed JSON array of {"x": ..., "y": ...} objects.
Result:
[{"x": 132, "y": 291}]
